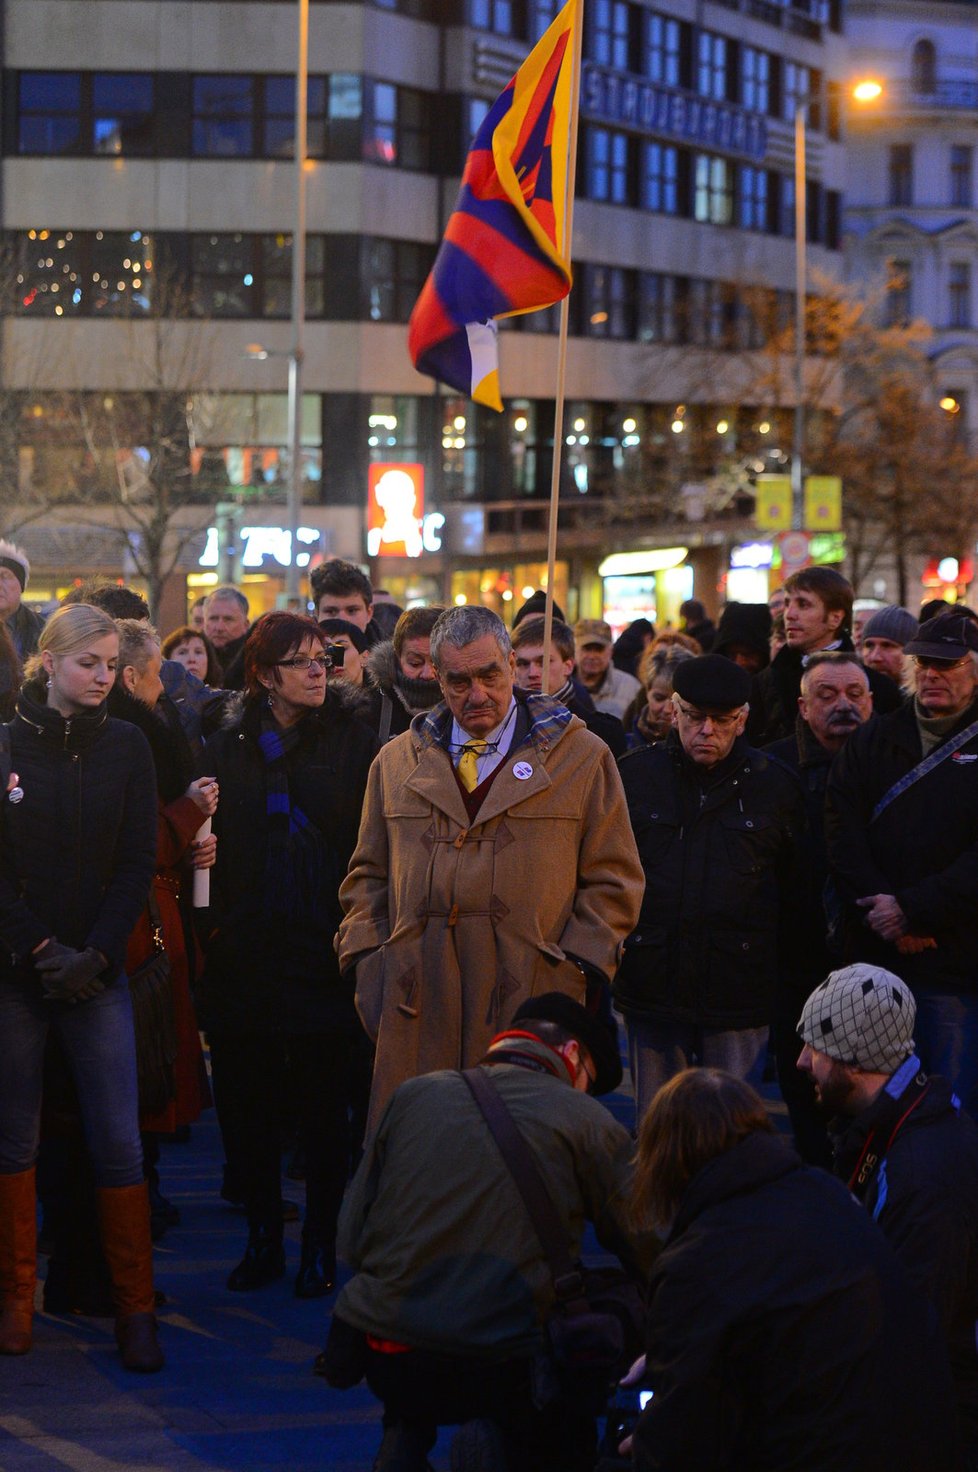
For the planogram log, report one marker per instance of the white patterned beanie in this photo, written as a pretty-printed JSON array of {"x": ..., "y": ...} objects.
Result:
[{"x": 863, "y": 1016}]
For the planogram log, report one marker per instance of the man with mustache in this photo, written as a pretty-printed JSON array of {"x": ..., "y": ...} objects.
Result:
[
  {"x": 835, "y": 700},
  {"x": 495, "y": 862}
]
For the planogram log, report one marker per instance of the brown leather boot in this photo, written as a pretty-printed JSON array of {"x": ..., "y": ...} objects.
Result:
[
  {"x": 18, "y": 1260},
  {"x": 124, "y": 1217}
]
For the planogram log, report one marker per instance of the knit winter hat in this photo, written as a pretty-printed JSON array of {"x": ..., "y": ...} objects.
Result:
[
  {"x": 15, "y": 561},
  {"x": 891, "y": 622},
  {"x": 863, "y": 1016}
]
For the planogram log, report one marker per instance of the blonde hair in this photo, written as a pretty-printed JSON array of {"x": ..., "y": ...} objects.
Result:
[{"x": 69, "y": 631}]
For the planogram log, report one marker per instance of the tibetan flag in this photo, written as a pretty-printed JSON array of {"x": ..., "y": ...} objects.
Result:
[
  {"x": 772, "y": 512},
  {"x": 502, "y": 250}
]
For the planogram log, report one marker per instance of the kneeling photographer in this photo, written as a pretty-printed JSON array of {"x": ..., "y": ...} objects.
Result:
[{"x": 464, "y": 1226}]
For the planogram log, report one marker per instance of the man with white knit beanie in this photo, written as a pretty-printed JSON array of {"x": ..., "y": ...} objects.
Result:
[{"x": 22, "y": 623}]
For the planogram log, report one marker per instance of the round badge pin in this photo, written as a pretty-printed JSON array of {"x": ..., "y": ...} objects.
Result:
[
  {"x": 522, "y": 771},
  {"x": 16, "y": 794}
]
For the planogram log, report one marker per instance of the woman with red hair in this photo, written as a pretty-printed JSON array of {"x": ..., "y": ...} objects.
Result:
[{"x": 292, "y": 762}]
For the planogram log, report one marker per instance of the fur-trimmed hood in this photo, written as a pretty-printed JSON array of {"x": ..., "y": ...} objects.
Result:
[
  {"x": 342, "y": 699},
  {"x": 384, "y": 673}
]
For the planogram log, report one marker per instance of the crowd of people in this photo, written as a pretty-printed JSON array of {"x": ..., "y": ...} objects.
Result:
[{"x": 407, "y": 882}]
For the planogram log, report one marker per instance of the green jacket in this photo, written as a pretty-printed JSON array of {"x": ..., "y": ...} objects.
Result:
[{"x": 445, "y": 1256}]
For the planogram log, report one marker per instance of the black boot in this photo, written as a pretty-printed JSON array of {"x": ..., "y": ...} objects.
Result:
[
  {"x": 263, "y": 1262},
  {"x": 317, "y": 1270}
]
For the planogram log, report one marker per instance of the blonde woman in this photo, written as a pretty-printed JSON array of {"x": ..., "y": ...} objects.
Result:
[{"x": 77, "y": 854}]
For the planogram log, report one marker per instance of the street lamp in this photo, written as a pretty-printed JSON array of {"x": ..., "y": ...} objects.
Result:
[
  {"x": 296, "y": 352},
  {"x": 866, "y": 91}
]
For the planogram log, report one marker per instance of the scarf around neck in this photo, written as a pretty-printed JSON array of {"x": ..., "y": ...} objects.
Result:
[{"x": 294, "y": 857}]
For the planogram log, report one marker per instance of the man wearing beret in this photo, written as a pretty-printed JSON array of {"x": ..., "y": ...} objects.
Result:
[
  {"x": 451, "y": 1283},
  {"x": 905, "y": 1149},
  {"x": 22, "y": 623},
  {"x": 902, "y": 834},
  {"x": 717, "y": 824}
]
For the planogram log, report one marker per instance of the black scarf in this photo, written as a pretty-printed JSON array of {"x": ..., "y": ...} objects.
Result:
[{"x": 172, "y": 756}]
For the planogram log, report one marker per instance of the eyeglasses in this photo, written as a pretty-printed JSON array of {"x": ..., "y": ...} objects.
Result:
[
  {"x": 592, "y": 1078},
  {"x": 942, "y": 666},
  {"x": 700, "y": 717},
  {"x": 303, "y": 661}
]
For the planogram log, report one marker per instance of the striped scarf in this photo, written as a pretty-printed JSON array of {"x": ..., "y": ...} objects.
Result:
[{"x": 294, "y": 855}]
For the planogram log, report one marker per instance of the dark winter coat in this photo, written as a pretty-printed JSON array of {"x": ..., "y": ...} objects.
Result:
[
  {"x": 782, "y": 1334},
  {"x": 775, "y": 691},
  {"x": 388, "y": 701},
  {"x": 262, "y": 974},
  {"x": 601, "y": 722},
  {"x": 78, "y": 852},
  {"x": 811, "y": 957},
  {"x": 923, "y": 849},
  {"x": 717, "y": 849},
  {"x": 924, "y": 1196},
  {"x": 24, "y": 627}
]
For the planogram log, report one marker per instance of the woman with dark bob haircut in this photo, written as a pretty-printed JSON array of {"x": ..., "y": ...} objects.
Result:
[
  {"x": 291, "y": 760},
  {"x": 77, "y": 855},
  {"x": 782, "y": 1335}
]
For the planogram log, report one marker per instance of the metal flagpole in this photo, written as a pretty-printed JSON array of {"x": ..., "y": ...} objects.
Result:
[{"x": 575, "y": 90}]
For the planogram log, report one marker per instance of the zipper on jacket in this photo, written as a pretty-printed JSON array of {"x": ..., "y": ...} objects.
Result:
[{"x": 67, "y": 732}]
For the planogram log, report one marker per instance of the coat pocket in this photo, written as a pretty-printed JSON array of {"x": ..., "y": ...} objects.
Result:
[{"x": 369, "y": 995}]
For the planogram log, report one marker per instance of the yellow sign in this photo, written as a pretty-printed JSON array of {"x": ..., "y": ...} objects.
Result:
[
  {"x": 823, "y": 503},
  {"x": 773, "y": 509}
]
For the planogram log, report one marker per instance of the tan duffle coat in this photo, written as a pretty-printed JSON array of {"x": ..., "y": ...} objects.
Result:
[{"x": 455, "y": 924}]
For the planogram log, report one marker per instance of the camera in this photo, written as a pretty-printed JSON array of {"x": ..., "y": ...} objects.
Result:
[{"x": 335, "y": 655}]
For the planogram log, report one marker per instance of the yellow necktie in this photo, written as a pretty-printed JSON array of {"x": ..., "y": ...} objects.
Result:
[{"x": 467, "y": 769}]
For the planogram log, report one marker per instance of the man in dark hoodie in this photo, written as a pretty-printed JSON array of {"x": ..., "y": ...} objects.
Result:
[
  {"x": 906, "y": 1150},
  {"x": 401, "y": 680}
]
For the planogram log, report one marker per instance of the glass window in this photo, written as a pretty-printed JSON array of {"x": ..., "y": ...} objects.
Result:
[
  {"x": 223, "y": 275},
  {"x": 278, "y": 122},
  {"x": 662, "y": 49},
  {"x": 609, "y": 38},
  {"x": 345, "y": 116},
  {"x": 122, "y": 267},
  {"x": 122, "y": 113},
  {"x": 50, "y": 112},
  {"x": 755, "y": 79},
  {"x": 713, "y": 189},
  {"x": 392, "y": 274},
  {"x": 753, "y": 198},
  {"x": 656, "y": 307},
  {"x": 899, "y": 299},
  {"x": 607, "y": 166},
  {"x": 961, "y": 174},
  {"x": 498, "y": 16},
  {"x": 901, "y": 173},
  {"x": 660, "y": 178},
  {"x": 959, "y": 294},
  {"x": 923, "y": 68},
  {"x": 276, "y": 275},
  {"x": 609, "y": 294},
  {"x": 414, "y": 129},
  {"x": 223, "y": 121},
  {"x": 795, "y": 87},
  {"x": 711, "y": 66}
]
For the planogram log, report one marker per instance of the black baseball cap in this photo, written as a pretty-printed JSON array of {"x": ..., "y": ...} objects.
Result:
[
  {"x": 589, "y": 1030},
  {"x": 948, "y": 636}
]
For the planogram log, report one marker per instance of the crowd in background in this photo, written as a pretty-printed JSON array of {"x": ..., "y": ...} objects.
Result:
[{"x": 306, "y": 839}]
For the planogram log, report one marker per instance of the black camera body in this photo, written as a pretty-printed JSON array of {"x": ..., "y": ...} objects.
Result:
[
  {"x": 622, "y": 1418},
  {"x": 335, "y": 655}
]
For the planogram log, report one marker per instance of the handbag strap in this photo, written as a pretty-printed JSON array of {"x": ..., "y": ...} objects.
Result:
[
  {"x": 567, "y": 1278},
  {"x": 6, "y": 758},
  {"x": 155, "y": 918}
]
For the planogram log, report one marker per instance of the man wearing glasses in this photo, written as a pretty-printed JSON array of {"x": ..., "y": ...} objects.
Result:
[
  {"x": 717, "y": 824},
  {"x": 902, "y": 831}
]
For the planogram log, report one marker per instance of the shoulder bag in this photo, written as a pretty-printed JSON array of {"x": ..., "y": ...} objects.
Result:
[{"x": 151, "y": 990}]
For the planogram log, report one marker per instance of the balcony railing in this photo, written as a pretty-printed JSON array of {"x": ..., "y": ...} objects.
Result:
[{"x": 945, "y": 94}]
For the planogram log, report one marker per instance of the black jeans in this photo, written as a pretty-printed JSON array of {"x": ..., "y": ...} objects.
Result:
[
  {"x": 250, "y": 1074},
  {"x": 425, "y": 1391}
]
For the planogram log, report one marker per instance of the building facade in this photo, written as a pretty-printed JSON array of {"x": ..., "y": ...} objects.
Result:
[{"x": 146, "y": 201}]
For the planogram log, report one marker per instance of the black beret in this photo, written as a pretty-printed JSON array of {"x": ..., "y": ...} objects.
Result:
[
  {"x": 711, "y": 682},
  {"x": 598, "y": 1037}
]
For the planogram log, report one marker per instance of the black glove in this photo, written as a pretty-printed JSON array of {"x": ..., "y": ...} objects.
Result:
[{"x": 68, "y": 975}]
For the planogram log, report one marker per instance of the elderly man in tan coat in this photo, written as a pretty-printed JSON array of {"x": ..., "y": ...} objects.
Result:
[{"x": 495, "y": 862}]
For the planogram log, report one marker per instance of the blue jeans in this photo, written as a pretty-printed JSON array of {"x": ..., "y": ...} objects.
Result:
[
  {"x": 946, "y": 1036},
  {"x": 659, "y": 1050},
  {"x": 100, "y": 1047}
]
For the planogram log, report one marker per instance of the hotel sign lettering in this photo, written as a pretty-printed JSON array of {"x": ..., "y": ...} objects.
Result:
[{"x": 609, "y": 97}]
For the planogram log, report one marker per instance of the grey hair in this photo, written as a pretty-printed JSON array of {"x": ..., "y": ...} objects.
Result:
[
  {"x": 137, "y": 639},
  {"x": 461, "y": 626},
  {"x": 227, "y": 591}
]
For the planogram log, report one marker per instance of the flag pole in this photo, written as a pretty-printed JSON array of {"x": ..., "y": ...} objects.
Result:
[{"x": 575, "y": 99}]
